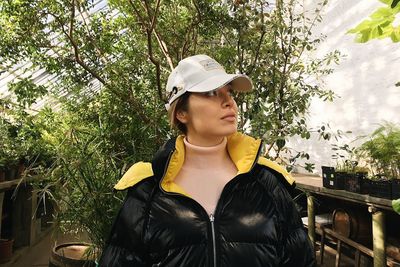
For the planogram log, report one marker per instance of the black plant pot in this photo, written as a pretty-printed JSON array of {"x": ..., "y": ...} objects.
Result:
[
  {"x": 340, "y": 178},
  {"x": 381, "y": 188},
  {"x": 328, "y": 176},
  {"x": 395, "y": 188},
  {"x": 352, "y": 183},
  {"x": 365, "y": 182}
]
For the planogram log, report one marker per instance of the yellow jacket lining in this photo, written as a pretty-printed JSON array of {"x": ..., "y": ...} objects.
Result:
[{"x": 242, "y": 149}]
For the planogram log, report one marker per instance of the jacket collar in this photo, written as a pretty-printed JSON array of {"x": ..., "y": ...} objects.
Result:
[{"x": 243, "y": 150}]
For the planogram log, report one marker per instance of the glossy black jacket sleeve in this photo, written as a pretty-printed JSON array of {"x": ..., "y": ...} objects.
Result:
[
  {"x": 124, "y": 246},
  {"x": 297, "y": 247}
]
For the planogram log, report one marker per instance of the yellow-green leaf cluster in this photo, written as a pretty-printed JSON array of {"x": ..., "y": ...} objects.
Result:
[{"x": 379, "y": 25}]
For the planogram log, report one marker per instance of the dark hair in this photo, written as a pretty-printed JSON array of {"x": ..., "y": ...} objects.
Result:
[{"x": 181, "y": 104}]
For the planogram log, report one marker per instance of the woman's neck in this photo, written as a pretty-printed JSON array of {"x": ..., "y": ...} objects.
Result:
[
  {"x": 206, "y": 156},
  {"x": 204, "y": 141}
]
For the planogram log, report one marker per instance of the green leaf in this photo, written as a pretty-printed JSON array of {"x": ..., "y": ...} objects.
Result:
[
  {"x": 394, "y": 3},
  {"x": 366, "y": 24},
  {"x": 280, "y": 143},
  {"x": 382, "y": 13},
  {"x": 395, "y": 35},
  {"x": 387, "y": 2},
  {"x": 364, "y": 36},
  {"x": 396, "y": 205}
]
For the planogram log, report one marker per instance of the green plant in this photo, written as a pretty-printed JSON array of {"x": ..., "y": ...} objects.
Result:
[
  {"x": 396, "y": 205},
  {"x": 111, "y": 70},
  {"x": 82, "y": 176},
  {"x": 130, "y": 55},
  {"x": 345, "y": 158},
  {"x": 9, "y": 149},
  {"x": 379, "y": 25},
  {"x": 382, "y": 151}
]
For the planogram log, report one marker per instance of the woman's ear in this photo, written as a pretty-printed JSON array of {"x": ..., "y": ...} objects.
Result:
[{"x": 182, "y": 116}]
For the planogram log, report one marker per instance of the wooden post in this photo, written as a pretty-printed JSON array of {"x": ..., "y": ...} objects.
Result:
[
  {"x": 379, "y": 236},
  {"x": 21, "y": 218},
  {"x": 1, "y": 208},
  {"x": 311, "y": 219},
  {"x": 338, "y": 253},
  {"x": 357, "y": 257}
]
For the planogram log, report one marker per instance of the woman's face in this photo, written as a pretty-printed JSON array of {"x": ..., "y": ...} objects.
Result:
[{"x": 210, "y": 116}]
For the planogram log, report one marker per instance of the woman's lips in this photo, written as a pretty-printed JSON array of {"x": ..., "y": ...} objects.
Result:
[{"x": 230, "y": 118}]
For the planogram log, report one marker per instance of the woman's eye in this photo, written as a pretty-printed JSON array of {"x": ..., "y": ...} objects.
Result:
[{"x": 211, "y": 93}]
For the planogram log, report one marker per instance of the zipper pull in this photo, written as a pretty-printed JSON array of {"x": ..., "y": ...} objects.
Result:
[{"x": 211, "y": 217}]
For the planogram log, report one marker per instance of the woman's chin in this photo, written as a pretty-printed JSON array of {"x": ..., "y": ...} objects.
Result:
[{"x": 230, "y": 130}]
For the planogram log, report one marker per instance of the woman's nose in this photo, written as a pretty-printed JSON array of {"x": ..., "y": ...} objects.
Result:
[{"x": 227, "y": 99}]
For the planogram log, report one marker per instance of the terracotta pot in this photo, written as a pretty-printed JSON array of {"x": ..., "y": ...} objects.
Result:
[
  {"x": 6, "y": 249},
  {"x": 70, "y": 255}
]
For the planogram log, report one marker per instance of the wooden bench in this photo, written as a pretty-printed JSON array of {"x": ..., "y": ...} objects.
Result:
[{"x": 327, "y": 232}]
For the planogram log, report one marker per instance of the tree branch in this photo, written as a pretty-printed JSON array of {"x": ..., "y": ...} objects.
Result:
[
  {"x": 100, "y": 53},
  {"x": 74, "y": 44},
  {"x": 149, "y": 27},
  {"x": 259, "y": 41},
  {"x": 164, "y": 49}
]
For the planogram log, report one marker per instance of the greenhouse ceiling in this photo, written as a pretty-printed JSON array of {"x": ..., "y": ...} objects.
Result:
[{"x": 11, "y": 72}]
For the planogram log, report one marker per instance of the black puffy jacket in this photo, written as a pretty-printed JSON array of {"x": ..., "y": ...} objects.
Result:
[{"x": 255, "y": 221}]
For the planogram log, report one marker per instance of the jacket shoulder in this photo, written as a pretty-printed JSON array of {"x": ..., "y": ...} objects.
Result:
[
  {"x": 284, "y": 176},
  {"x": 135, "y": 174}
]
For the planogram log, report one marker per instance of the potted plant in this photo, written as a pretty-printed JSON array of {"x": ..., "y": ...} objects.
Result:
[
  {"x": 382, "y": 153},
  {"x": 344, "y": 170},
  {"x": 380, "y": 186},
  {"x": 355, "y": 178},
  {"x": 360, "y": 181},
  {"x": 79, "y": 182},
  {"x": 328, "y": 176}
]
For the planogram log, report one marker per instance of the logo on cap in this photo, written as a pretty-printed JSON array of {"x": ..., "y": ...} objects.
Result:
[{"x": 210, "y": 64}]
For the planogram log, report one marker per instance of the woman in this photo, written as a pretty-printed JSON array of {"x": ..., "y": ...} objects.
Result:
[{"x": 207, "y": 198}]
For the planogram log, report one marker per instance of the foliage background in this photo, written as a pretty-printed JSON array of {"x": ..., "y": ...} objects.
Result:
[{"x": 111, "y": 66}]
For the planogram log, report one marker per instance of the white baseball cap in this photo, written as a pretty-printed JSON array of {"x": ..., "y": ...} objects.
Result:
[{"x": 201, "y": 73}]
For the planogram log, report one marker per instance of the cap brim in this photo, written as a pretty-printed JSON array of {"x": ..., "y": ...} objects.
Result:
[{"x": 240, "y": 82}]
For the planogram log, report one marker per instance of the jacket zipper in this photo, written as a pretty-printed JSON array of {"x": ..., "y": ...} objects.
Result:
[
  {"x": 214, "y": 249},
  {"x": 211, "y": 217}
]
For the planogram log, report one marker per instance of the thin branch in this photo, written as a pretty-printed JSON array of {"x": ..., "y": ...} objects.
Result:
[
  {"x": 253, "y": 64},
  {"x": 74, "y": 44},
  {"x": 132, "y": 100},
  {"x": 164, "y": 49},
  {"x": 149, "y": 28},
  {"x": 310, "y": 27},
  {"x": 153, "y": 21},
  {"x": 90, "y": 36},
  {"x": 141, "y": 19},
  {"x": 156, "y": 64}
]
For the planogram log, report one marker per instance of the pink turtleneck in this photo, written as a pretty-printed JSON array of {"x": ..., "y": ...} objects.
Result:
[{"x": 205, "y": 172}]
